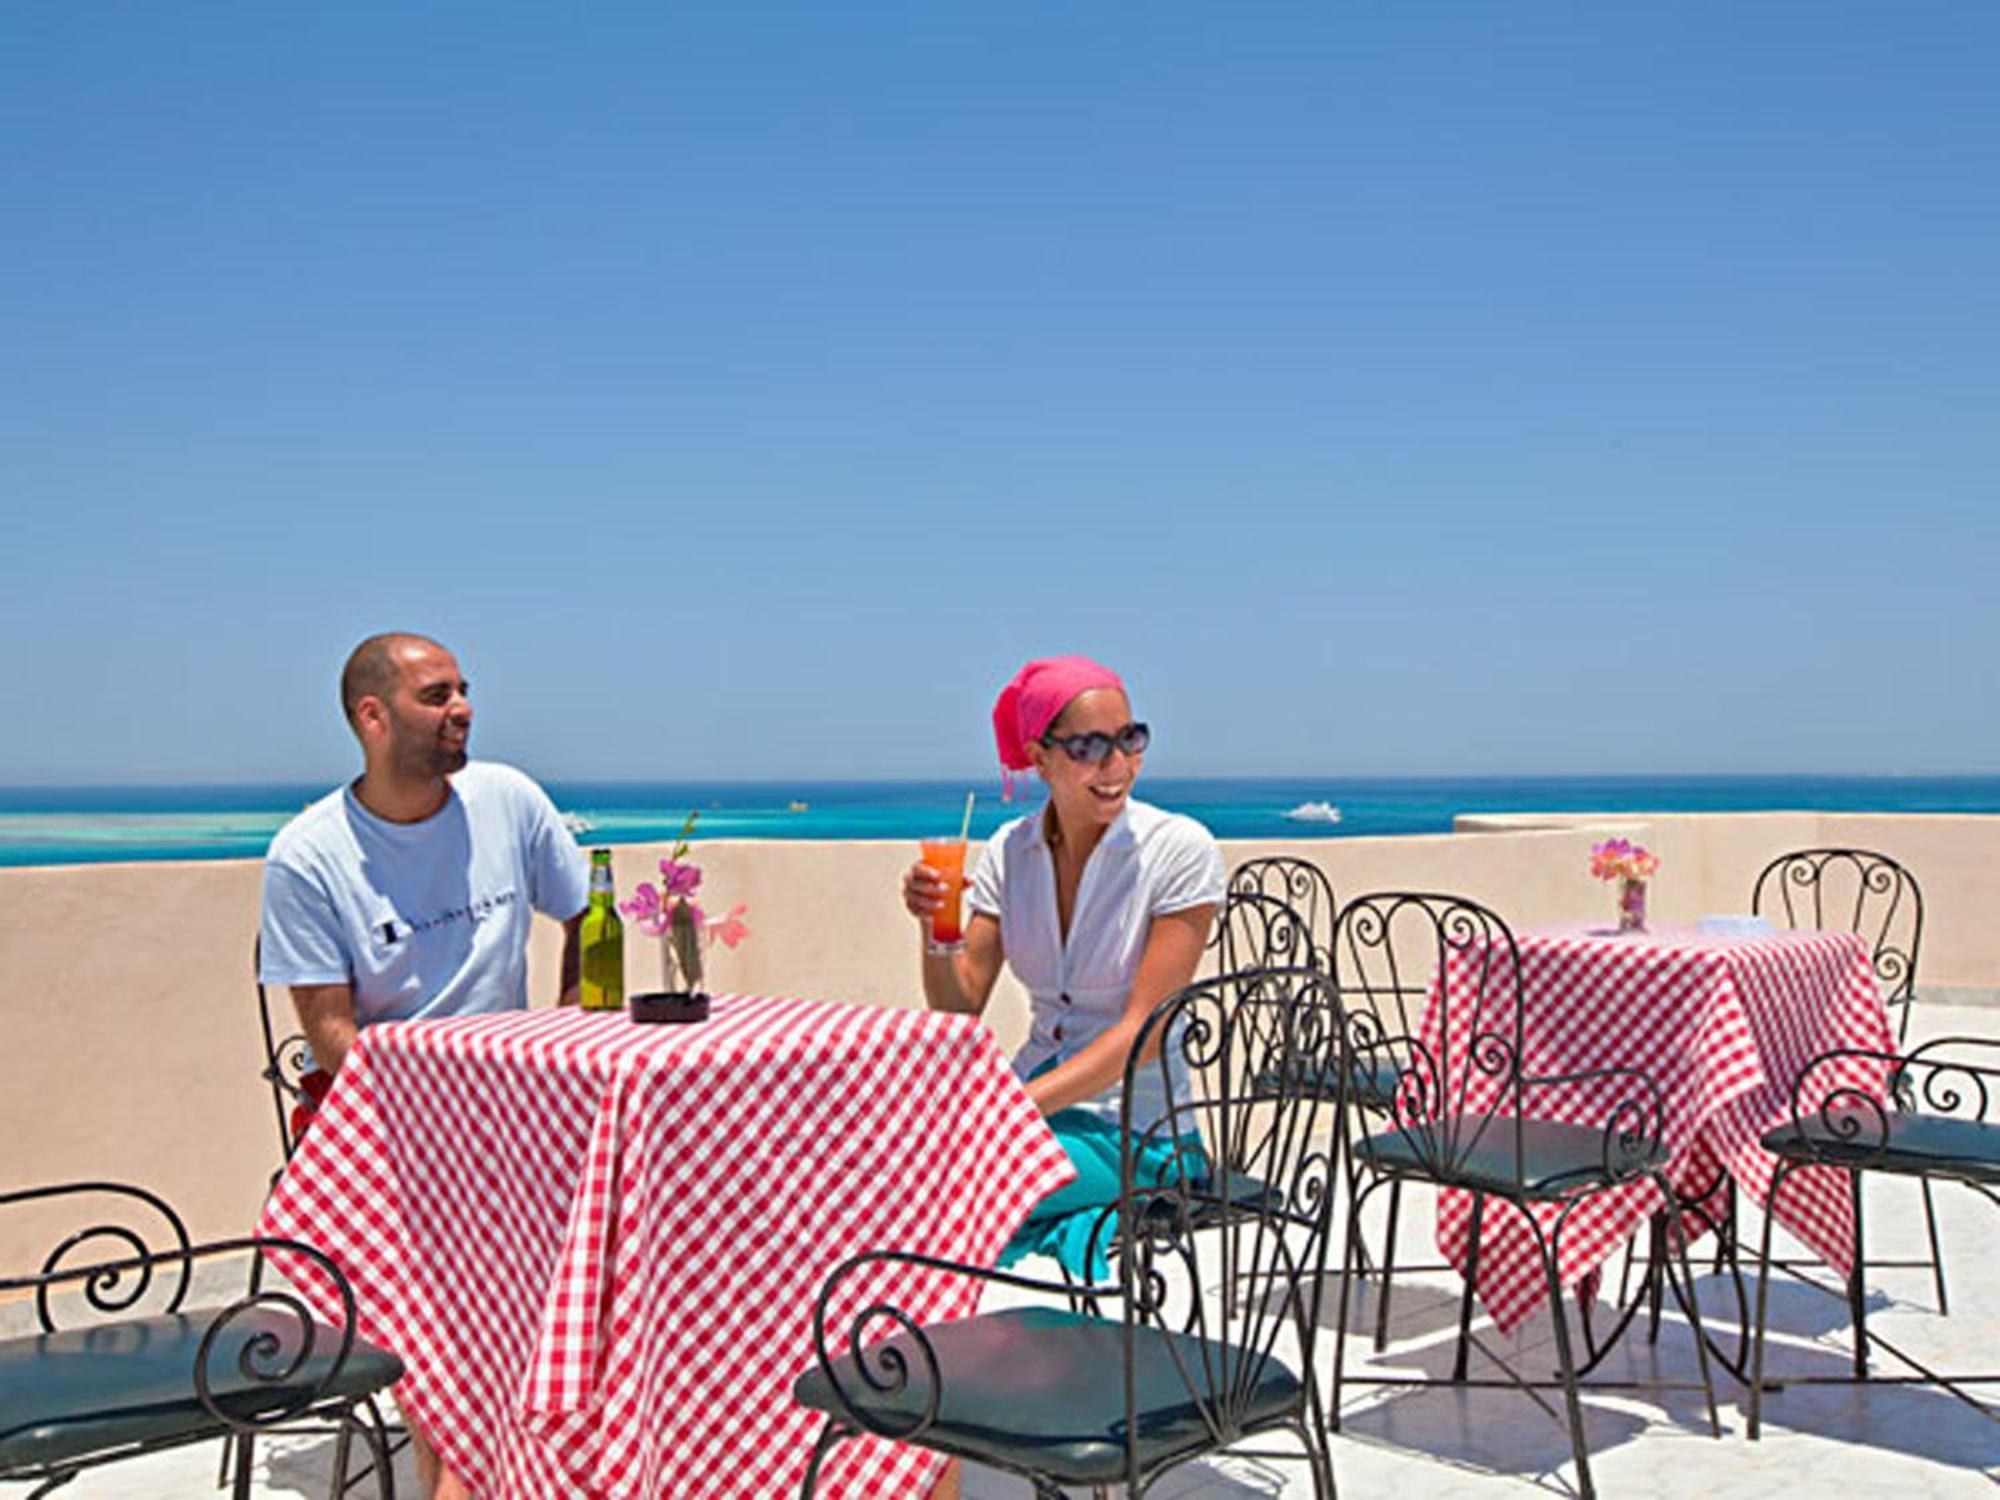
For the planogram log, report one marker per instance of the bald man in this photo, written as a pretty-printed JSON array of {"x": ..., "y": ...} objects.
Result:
[{"x": 409, "y": 892}]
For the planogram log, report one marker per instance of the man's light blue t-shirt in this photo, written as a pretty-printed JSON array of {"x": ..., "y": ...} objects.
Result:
[{"x": 422, "y": 919}]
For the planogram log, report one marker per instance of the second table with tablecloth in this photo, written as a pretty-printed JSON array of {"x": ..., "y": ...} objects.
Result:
[{"x": 1723, "y": 1024}]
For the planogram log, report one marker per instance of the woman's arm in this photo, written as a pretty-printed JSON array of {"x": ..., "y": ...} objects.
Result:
[
  {"x": 963, "y": 981},
  {"x": 1173, "y": 949}
]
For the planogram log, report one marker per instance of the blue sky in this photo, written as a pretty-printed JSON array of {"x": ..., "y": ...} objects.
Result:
[{"x": 746, "y": 390}]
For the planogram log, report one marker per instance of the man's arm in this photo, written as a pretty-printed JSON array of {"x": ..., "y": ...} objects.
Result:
[
  {"x": 326, "y": 1015},
  {"x": 572, "y": 962},
  {"x": 558, "y": 874}
]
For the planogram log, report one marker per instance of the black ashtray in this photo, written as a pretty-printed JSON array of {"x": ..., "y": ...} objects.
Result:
[{"x": 668, "y": 1007}]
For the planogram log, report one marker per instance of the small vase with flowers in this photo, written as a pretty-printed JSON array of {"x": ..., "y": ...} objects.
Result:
[
  {"x": 670, "y": 912},
  {"x": 1631, "y": 865}
]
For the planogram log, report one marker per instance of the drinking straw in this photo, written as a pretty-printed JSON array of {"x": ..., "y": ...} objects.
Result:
[{"x": 965, "y": 828}]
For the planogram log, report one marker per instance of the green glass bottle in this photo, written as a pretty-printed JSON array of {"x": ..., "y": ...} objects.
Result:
[{"x": 602, "y": 939}]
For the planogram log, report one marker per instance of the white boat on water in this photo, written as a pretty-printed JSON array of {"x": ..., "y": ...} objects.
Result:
[
  {"x": 1314, "y": 812},
  {"x": 578, "y": 824}
]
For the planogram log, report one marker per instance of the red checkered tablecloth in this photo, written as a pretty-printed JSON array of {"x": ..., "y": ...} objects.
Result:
[
  {"x": 597, "y": 1246},
  {"x": 1723, "y": 1025}
]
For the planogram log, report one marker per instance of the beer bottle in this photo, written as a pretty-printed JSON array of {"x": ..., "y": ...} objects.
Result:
[{"x": 602, "y": 939}]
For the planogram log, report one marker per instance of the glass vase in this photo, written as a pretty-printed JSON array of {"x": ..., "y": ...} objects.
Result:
[
  {"x": 676, "y": 977},
  {"x": 1631, "y": 905}
]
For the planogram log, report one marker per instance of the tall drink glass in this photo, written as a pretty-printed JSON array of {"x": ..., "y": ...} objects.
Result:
[{"x": 947, "y": 857}]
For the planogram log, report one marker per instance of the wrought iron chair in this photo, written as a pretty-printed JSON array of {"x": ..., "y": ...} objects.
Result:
[
  {"x": 1876, "y": 897},
  {"x": 287, "y": 1059},
  {"x": 1064, "y": 1397},
  {"x": 123, "y": 1381},
  {"x": 1256, "y": 930},
  {"x": 1858, "y": 891},
  {"x": 1305, "y": 892},
  {"x": 1929, "y": 1113},
  {"x": 1281, "y": 910},
  {"x": 1463, "y": 1109}
]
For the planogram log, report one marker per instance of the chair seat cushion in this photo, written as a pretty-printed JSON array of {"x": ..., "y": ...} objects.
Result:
[
  {"x": 1041, "y": 1389},
  {"x": 1230, "y": 1194},
  {"x": 1375, "y": 1083},
  {"x": 1372, "y": 1085},
  {"x": 1556, "y": 1160},
  {"x": 66, "y": 1395},
  {"x": 1916, "y": 1144}
]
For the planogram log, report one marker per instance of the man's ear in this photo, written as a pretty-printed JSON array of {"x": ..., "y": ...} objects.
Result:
[{"x": 371, "y": 718}]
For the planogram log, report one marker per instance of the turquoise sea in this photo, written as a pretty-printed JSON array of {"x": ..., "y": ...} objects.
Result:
[{"x": 85, "y": 825}]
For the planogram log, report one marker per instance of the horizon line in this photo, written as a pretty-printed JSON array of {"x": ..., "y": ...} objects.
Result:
[{"x": 949, "y": 779}]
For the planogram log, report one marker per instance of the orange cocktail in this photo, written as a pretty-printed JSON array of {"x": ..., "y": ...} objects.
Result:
[{"x": 947, "y": 857}]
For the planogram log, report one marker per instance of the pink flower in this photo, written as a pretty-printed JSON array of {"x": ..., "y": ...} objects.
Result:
[
  {"x": 680, "y": 878},
  {"x": 646, "y": 909},
  {"x": 730, "y": 930},
  {"x": 1621, "y": 859}
]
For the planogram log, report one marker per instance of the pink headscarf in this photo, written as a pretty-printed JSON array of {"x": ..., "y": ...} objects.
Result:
[{"x": 1029, "y": 704}]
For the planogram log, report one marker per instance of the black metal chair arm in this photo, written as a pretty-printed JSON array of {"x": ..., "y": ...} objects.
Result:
[
  {"x": 1929, "y": 1077},
  {"x": 1836, "y": 1114},
  {"x": 125, "y": 1237},
  {"x": 1934, "y": 1080},
  {"x": 1598, "y": 1075},
  {"x": 14, "y": 1196},
  {"x": 1922, "y": 1056},
  {"x": 278, "y": 1074},
  {"x": 250, "y": 1367},
  {"x": 1814, "y": 1080},
  {"x": 1635, "y": 1124},
  {"x": 880, "y": 1363}
]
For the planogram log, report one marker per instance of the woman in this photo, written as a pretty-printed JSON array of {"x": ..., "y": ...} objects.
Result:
[{"x": 1101, "y": 904}]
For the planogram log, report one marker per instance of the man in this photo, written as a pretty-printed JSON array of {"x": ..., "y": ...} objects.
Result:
[{"x": 408, "y": 893}]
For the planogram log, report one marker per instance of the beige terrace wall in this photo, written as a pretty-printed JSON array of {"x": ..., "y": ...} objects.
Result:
[{"x": 129, "y": 1047}]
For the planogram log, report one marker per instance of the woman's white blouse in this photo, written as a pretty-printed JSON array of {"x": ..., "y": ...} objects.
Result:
[{"x": 1148, "y": 863}]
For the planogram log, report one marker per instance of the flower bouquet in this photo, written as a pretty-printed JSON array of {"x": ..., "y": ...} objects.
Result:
[
  {"x": 1632, "y": 865},
  {"x": 670, "y": 913}
]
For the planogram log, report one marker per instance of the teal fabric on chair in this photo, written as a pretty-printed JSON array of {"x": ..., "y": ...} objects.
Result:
[{"x": 1071, "y": 1224}]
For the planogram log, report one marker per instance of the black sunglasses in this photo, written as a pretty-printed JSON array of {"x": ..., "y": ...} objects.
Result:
[{"x": 1095, "y": 748}]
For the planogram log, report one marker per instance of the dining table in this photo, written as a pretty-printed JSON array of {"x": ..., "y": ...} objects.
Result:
[
  {"x": 597, "y": 1245},
  {"x": 1723, "y": 1023}
]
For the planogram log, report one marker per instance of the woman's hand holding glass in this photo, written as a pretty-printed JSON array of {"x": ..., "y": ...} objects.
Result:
[
  {"x": 960, "y": 967},
  {"x": 923, "y": 892},
  {"x": 933, "y": 889}
]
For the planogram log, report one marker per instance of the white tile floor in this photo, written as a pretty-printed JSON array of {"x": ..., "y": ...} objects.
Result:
[{"x": 1882, "y": 1441}]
